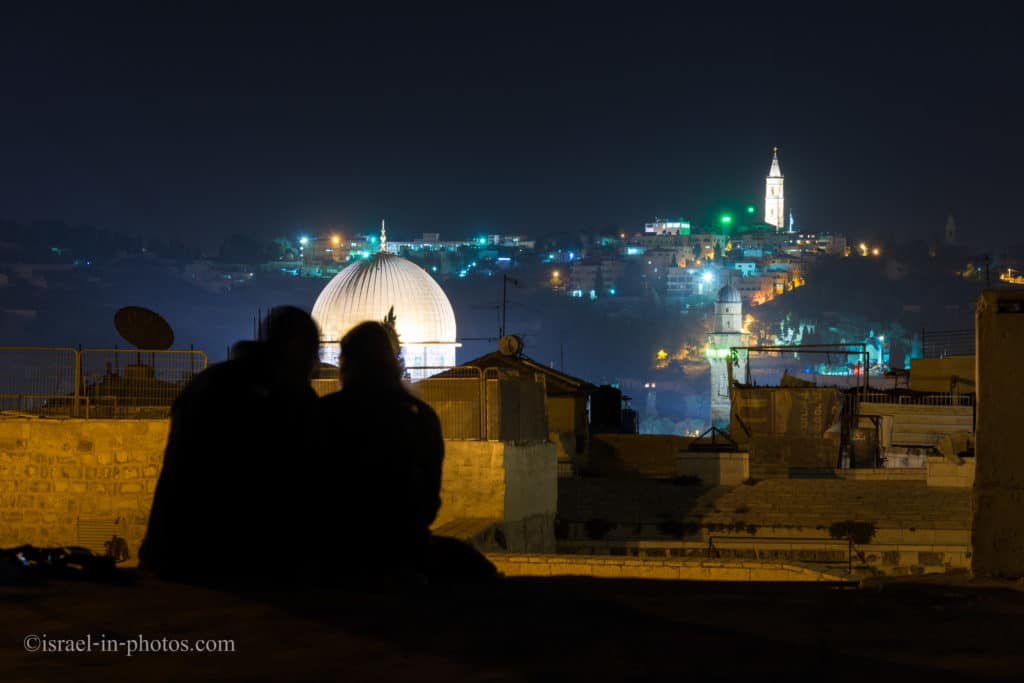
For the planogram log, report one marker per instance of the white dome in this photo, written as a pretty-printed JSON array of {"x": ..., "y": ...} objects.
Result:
[{"x": 367, "y": 289}]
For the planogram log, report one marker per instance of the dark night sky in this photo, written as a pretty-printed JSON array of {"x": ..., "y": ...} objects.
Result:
[{"x": 198, "y": 123}]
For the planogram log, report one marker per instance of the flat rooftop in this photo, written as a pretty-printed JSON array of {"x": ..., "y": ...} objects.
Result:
[{"x": 526, "y": 629}]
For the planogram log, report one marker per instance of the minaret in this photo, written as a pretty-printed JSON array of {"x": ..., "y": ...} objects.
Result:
[
  {"x": 383, "y": 237},
  {"x": 728, "y": 332},
  {"x": 774, "y": 203}
]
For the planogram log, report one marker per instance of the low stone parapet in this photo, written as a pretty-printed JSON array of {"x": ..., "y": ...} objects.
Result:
[
  {"x": 946, "y": 472},
  {"x": 652, "y": 568},
  {"x": 514, "y": 484},
  {"x": 714, "y": 469}
]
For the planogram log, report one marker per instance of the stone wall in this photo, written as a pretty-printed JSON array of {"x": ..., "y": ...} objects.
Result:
[
  {"x": 946, "y": 472},
  {"x": 715, "y": 469},
  {"x": 652, "y": 568},
  {"x": 531, "y": 496},
  {"x": 936, "y": 374},
  {"x": 645, "y": 455},
  {"x": 515, "y": 485},
  {"x": 58, "y": 474}
]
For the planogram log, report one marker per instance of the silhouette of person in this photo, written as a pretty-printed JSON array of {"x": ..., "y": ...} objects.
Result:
[
  {"x": 389, "y": 467},
  {"x": 229, "y": 484}
]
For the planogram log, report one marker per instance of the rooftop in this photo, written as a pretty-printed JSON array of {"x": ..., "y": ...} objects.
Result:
[{"x": 527, "y": 629}]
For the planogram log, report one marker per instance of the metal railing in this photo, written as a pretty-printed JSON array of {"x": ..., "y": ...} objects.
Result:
[
  {"x": 942, "y": 343},
  {"x": 35, "y": 379},
  {"x": 487, "y": 404},
  {"x": 460, "y": 399},
  {"x": 94, "y": 383},
  {"x": 905, "y": 399}
]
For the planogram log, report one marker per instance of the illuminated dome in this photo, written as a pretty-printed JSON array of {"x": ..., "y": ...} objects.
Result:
[
  {"x": 368, "y": 289},
  {"x": 726, "y": 295}
]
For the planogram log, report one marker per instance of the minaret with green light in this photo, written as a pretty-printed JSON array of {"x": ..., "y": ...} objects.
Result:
[
  {"x": 774, "y": 198},
  {"x": 728, "y": 332}
]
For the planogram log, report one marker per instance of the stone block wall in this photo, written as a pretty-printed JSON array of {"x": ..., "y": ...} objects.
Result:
[
  {"x": 56, "y": 473},
  {"x": 936, "y": 374},
  {"x": 473, "y": 481},
  {"x": 516, "y": 485},
  {"x": 645, "y": 455},
  {"x": 945, "y": 472},
  {"x": 715, "y": 469}
]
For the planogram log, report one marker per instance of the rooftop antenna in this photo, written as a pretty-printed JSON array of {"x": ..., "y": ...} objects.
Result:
[{"x": 143, "y": 328}]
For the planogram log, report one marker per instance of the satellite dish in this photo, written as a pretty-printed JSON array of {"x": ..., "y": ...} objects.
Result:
[
  {"x": 510, "y": 345},
  {"x": 143, "y": 328}
]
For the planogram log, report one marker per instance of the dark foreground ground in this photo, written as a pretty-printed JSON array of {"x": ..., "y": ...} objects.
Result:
[{"x": 527, "y": 629}]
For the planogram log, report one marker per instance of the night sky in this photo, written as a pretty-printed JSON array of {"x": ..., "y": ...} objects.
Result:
[{"x": 197, "y": 123}]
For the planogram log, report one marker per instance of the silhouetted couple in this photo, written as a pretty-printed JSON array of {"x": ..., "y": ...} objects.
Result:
[{"x": 263, "y": 483}]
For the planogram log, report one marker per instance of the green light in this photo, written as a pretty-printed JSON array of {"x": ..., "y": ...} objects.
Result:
[
  {"x": 751, "y": 209},
  {"x": 725, "y": 219}
]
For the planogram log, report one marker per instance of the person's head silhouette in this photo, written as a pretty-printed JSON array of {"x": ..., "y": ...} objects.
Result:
[
  {"x": 293, "y": 341},
  {"x": 369, "y": 357}
]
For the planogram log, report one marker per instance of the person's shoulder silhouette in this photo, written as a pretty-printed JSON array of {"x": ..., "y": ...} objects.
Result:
[
  {"x": 235, "y": 430},
  {"x": 389, "y": 450}
]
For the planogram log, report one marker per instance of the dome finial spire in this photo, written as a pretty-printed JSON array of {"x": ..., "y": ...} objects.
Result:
[{"x": 383, "y": 237}]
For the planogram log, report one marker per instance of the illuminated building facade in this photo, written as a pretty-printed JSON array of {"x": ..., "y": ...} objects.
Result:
[
  {"x": 728, "y": 332},
  {"x": 667, "y": 227},
  {"x": 774, "y": 197}
]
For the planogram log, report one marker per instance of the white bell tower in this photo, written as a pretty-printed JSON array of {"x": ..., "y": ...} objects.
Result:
[{"x": 774, "y": 198}]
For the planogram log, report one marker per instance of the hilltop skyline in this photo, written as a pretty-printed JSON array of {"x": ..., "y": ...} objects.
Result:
[{"x": 198, "y": 122}]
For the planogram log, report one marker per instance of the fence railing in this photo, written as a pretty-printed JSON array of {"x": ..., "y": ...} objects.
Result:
[
  {"x": 109, "y": 383},
  {"x": 939, "y": 344},
  {"x": 460, "y": 400},
  {"x": 487, "y": 404},
  {"x": 906, "y": 399}
]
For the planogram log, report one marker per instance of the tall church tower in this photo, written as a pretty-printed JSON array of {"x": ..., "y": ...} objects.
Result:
[
  {"x": 774, "y": 202},
  {"x": 728, "y": 332}
]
